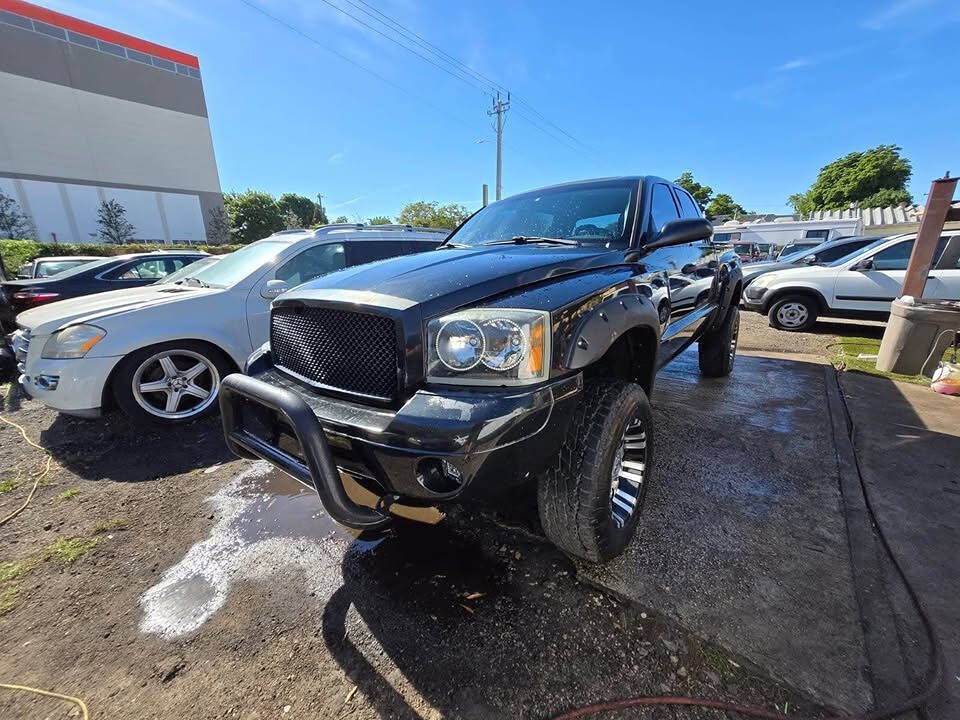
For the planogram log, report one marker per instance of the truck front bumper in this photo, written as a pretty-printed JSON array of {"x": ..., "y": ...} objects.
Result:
[{"x": 439, "y": 446}]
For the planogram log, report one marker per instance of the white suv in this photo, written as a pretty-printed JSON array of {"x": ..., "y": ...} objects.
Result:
[
  {"x": 159, "y": 351},
  {"x": 861, "y": 285}
]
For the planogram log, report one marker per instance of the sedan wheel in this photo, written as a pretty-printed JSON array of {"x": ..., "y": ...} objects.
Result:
[
  {"x": 793, "y": 313},
  {"x": 175, "y": 384}
]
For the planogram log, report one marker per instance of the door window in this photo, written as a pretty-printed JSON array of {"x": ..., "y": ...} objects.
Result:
[
  {"x": 894, "y": 257},
  {"x": 817, "y": 234},
  {"x": 152, "y": 269},
  {"x": 311, "y": 263},
  {"x": 364, "y": 251},
  {"x": 835, "y": 253},
  {"x": 663, "y": 208},
  {"x": 687, "y": 205}
]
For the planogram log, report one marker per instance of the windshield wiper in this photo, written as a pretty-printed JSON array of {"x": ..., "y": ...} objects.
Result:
[
  {"x": 451, "y": 245},
  {"x": 198, "y": 281},
  {"x": 530, "y": 239}
]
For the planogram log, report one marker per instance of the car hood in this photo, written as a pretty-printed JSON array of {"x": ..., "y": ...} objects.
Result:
[
  {"x": 448, "y": 278},
  {"x": 797, "y": 272},
  {"x": 46, "y": 319}
]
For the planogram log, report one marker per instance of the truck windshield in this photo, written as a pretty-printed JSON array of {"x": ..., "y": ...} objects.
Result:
[{"x": 591, "y": 215}]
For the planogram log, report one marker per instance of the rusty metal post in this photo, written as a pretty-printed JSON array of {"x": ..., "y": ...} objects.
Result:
[{"x": 931, "y": 225}]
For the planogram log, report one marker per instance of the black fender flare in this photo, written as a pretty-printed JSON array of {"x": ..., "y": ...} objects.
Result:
[{"x": 605, "y": 323}]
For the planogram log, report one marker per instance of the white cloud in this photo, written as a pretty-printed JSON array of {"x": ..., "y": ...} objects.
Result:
[
  {"x": 794, "y": 64},
  {"x": 894, "y": 12},
  {"x": 335, "y": 159}
]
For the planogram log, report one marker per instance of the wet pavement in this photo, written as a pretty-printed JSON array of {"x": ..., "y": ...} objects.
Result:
[
  {"x": 743, "y": 538},
  {"x": 742, "y": 541}
]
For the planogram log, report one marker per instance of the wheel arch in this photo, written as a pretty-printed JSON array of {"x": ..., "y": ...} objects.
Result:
[
  {"x": 780, "y": 293},
  {"x": 619, "y": 338},
  {"x": 107, "y": 400}
]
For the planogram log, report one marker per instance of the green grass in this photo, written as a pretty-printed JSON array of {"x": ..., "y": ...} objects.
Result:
[
  {"x": 7, "y": 484},
  {"x": 109, "y": 525},
  {"x": 8, "y": 599},
  {"x": 68, "y": 550},
  {"x": 68, "y": 494},
  {"x": 847, "y": 350}
]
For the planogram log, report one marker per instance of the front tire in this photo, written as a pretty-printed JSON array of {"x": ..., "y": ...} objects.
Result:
[
  {"x": 170, "y": 383},
  {"x": 718, "y": 348},
  {"x": 794, "y": 313},
  {"x": 590, "y": 500}
]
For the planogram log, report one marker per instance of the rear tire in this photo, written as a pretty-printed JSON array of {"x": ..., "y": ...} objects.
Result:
[
  {"x": 590, "y": 500},
  {"x": 793, "y": 313},
  {"x": 718, "y": 348},
  {"x": 190, "y": 372}
]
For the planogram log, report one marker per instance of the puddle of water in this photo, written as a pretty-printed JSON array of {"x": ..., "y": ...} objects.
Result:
[{"x": 266, "y": 522}]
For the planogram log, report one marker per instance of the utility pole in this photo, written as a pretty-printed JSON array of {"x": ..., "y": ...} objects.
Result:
[
  {"x": 499, "y": 108},
  {"x": 320, "y": 203},
  {"x": 486, "y": 198}
]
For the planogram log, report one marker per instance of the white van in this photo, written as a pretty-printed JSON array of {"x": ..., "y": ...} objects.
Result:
[{"x": 769, "y": 240}]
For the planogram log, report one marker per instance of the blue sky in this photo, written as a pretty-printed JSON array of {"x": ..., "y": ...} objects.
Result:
[{"x": 752, "y": 97}]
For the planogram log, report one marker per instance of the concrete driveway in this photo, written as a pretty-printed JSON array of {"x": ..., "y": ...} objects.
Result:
[{"x": 743, "y": 538}]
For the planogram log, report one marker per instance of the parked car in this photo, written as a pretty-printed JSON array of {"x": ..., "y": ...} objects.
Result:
[
  {"x": 859, "y": 285},
  {"x": 102, "y": 275},
  {"x": 773, "y": 237},
  {"x": 524, "y": 348},
  {"x": 159, "y": 352},
  {"x": 42, "y": 267},
  {"x": 814, "y": 255}
]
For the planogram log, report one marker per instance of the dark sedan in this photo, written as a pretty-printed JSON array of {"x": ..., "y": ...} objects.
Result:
[{"x": 110, "y": 273}]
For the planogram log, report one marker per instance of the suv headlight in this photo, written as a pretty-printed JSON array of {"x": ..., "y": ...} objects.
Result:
[
  {"x": 72, "y": 342},
  {"x": 489, "y": 346}
]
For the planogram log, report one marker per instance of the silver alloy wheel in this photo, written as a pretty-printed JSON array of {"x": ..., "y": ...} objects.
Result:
[
  {"x": 629, "y": 471},
  {"x": 734, "y": 336},
  {"x": 176, "y": 384},
  {"x": 792, "y": 314}
]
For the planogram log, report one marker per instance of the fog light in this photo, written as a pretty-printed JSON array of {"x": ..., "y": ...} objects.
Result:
[{"x": 47, "y": 382}]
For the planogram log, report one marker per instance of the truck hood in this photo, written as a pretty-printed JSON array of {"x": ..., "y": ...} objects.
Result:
[
  {"x": 46, "y": 319},
  {"x": 448, "y": 278}
]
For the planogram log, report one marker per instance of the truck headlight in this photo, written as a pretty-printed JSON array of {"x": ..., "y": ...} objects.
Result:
[
  {"x": 489, "y": 346},
  {"x": 74, "y": 341}
]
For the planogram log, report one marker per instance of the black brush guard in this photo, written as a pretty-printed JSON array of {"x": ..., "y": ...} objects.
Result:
[{"x": 320, "y": 470}]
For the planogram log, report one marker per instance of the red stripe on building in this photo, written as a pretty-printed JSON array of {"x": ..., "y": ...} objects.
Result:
[{"x": 35, "y": 12}]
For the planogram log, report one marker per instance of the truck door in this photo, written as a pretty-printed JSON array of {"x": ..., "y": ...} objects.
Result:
[{"x": 689, "y": 272}]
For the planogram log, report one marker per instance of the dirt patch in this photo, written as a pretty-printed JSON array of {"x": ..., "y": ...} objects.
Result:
[{"x": 175, "y": 591}]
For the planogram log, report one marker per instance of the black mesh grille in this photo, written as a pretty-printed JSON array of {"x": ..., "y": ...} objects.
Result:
[{"x": 340, "y": 349}]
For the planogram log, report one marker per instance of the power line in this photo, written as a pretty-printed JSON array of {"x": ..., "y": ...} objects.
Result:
[
  {"x": 391, "y": 83},
  {"x": 438, "y": 51},
  {"x": 461, "y": 69}
]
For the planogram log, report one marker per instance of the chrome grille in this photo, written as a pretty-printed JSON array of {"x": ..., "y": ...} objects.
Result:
[{"x": 352, "y": 352}]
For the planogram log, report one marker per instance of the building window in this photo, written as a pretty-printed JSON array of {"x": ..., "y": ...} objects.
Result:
[
  {"x": 80, "y": 39},
  {"x": 17, "y": 20},
  {"x": 52, "y": 31},
  {"x": 111, "y": 48}
]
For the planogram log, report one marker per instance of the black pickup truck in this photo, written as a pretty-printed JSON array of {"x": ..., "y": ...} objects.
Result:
[{"x": 523, "y": 349}]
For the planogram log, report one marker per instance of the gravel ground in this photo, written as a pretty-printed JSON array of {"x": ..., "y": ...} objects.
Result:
[{"x": 757, "y": 335}]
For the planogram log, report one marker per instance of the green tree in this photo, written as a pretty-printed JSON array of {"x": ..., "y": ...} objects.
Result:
[
  {"x": 379, "y": 220},
  {"x": 253, "y": 215},
  {"x": 303, "y": 207},
  {"x": 341, "y": 219},
  {"x": 701, "y": 193},
  {"x": 879, "y": 173},
  {"x": 801, "y": 203},
  {"x": 886, "y": 198},
  {"x": 723, "y": 204},
  {"x": 13, "y": 223},
  {"x": 432, "y": 214},
  {"x": 113, "y": 224}
]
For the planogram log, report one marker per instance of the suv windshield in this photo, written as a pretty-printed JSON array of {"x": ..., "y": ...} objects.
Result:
[
  {"x": 590, "y": 215},
  {"x": 233, "y": 268}
]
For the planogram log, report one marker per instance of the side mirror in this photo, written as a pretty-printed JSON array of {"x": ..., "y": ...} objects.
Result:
[
  {"x": 273, "y": 288},
  {"x": 809, "y": 259},
  {"x": 681, "y": 232},
  {"x": 864, "y": 265}
]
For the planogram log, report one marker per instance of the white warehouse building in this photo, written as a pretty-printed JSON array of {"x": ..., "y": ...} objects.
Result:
[{"x": 89, "y": 115}]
